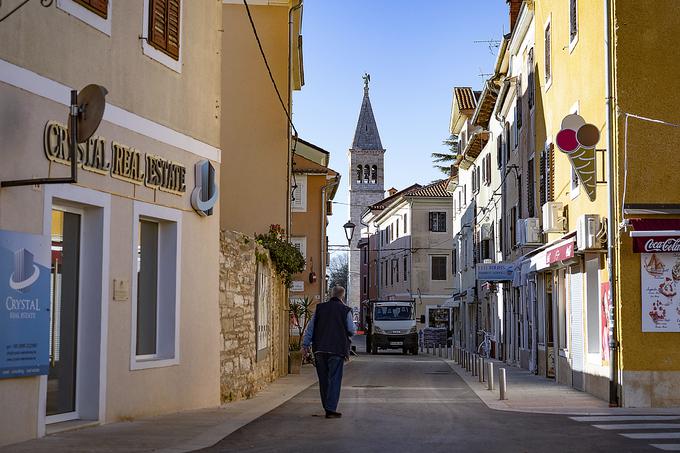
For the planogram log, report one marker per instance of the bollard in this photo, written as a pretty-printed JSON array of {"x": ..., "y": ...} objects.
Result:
[
  {"x": 467, "y": 361},
  {"x": 427, "y": 348},
  {"x": 474, "y": 364},
  {"x": 480, "y": 369},
  {"x": 482, "y": 363},
  {"x": 450, "y": 352},
  {"x": 490, "y": 373},
  {"x": 439, "y": 350},
  {"x": 421, "y": 348},
  {"x": 502, "y": 384}
]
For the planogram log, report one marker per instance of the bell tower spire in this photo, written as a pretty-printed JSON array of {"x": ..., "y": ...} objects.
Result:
[{"x": 366, "y": 185}]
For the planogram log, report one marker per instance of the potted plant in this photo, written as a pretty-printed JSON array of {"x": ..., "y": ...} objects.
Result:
[{"x": 300, "y": 310}]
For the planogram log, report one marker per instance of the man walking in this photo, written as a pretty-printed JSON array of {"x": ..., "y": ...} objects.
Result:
[{"x": 328, "y": 333}]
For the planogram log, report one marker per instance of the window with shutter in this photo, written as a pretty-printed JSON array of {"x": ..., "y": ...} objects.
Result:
[
  {"x": 99, "y": 7},
  {"x": 547, "y": 44},
  {"x": 438, "y": 267},
  {"x": 530, "y": 188},
  {"x": 573, "y": 24},
  {"x": 499, "y": 153},
  {"x": 506, "y": 142},
  {"x": 488, "y": 169},
  {"x": 519, "y": 112},
  {"x": 542, "y": 178},
  {"x": 164, "y": 32},
  {"x": 550, "y": 178},
  {"x": 405, "y": 273},
  {"x": 531, "y": 88}
]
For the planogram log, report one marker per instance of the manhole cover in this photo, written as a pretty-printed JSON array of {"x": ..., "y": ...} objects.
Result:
[{"x": 368, "y": 386}]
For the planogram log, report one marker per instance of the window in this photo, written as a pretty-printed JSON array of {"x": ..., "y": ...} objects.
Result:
[
  {"x": 546, "y": 179},
  {"x": 300, "y": 243},
  {"x": 518, "y": 118},
  {"x": 364, "y": 255},
  {"x": 162, "y": 25},
  {"x": 95, "y": 13},
  {"x": 531, "y": 88},
  {"x": 99, "y": 7},
  {"x": 573, "y": 21},
  {"x": 262, "y": 312},
  {"x": 299, "y": 194},
  {"x": 391, "y": 264},
  {"x": 405, "y": 223},
  {"x": 374, "y": 174},
  {"x": 506, "y": 142},
  {"x": 474, "y": 180},
  {"x": 438, "y": 222},
  {"x": 454, "y": 261},
  {"x": 405, "y": 266},
  {"x": 359, "y": 173},
  {"x": 396, "y": 268},
  {"x": 547, "y": 44},
  {"x": 364, "y": 285},
  {"x": 438, "y": 267},
  {"x": 488, "y": 170},
  {"x": 531, "y": 188},
  {"x": 397, "y": 229},
  {"x": 499, "y": 153},
  {"x": 156, "y": 288},
  {"x": 367, "y": 174},
  {"x": 512, "y": 226},
  {"x": 464, "y": 195}
]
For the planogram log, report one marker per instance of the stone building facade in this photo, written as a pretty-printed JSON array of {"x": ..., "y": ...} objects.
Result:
[
  {"x": 366, "y": 185},
  {"x": 253, "y": 318}
]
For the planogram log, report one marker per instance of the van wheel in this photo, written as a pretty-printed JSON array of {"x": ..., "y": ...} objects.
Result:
[
  {"x": 404, "y": 351},
  {"x": 414, "y": 351}
]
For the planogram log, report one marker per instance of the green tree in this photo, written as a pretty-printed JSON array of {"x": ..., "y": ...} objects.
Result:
[
  {"x": 339, "y": 271},
  {"x": 443, "y": 161}
]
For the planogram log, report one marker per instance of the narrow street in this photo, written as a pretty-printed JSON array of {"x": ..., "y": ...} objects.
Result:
[{"x": 392, "y": 402}]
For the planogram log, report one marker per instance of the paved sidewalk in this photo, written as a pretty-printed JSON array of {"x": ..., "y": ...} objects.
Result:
[
  {"x": 174, "y": 433},
  {"x": 527, "y": 392}
]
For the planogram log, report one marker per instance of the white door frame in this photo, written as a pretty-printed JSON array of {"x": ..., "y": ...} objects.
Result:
[{"x": 82, "y": 198}]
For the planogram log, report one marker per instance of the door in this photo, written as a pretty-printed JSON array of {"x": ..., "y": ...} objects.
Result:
[
  {"x": 62, "y": 377},
  {"x": 576, "y": 326},
  {"x": 549, "y": 330}
]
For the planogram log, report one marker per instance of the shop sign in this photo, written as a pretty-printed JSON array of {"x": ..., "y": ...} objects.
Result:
[
  {"x": 660, "y": 276},
  {"x": 24, "y": 304},
  {"x": 577, "y": 139},
  {"x": 656, "y": 244},
  {"x": 495, "y": 272},
  {"x": 297, "y": 286},
  {"x": 605, "y": 315},
  {"x": 560, "y": 253},
  {"x": 204, "y": 195},
  {"x": 125, "y": 163}
]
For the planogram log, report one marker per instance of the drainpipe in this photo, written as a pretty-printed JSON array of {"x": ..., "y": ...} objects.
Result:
[
  {"x": 324, "y": 252},
  {"x": 290, "y": 115},
  {"x": 613, "y": 346}
]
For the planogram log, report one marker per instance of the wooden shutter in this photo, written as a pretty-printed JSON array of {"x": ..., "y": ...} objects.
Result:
[
  {"x": 542, "y": 179},
  {"x": 551, "y": 173},
  {"x": 547, "y": 53},
  {"x": 432, "y": 221},
  {"x": 99, "y": 7},
  {"x": 519, "y": 112},
  {"x": 164, "y": 26},
  {"x": 530, "y": 188},
  {"x": 530, "y": 79}
]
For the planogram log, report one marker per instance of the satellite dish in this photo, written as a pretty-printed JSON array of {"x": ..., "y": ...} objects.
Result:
[{"x": 91, "y": 104}]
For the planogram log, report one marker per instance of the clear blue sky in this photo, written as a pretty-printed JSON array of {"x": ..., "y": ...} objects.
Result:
[{"x": 416, "y": 52}]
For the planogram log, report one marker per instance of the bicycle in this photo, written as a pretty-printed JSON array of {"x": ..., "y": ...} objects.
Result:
[{"x": 484, "y": 348}]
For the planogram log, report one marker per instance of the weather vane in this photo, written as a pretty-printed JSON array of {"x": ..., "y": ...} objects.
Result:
[{"x": 367, "y": 78}]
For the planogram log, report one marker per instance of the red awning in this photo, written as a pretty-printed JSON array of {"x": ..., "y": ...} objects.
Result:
[{"x": 560, "y": 252}]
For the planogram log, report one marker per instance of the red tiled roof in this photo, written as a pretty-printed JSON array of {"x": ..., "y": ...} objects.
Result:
[
  {"x": 435, "y": 190},
  {"x": 382, "y": 204}
]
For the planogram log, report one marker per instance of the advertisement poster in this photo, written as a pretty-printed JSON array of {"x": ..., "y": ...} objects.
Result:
[
  {"x": 495, "y": 272},
  {"x": 604, "y": 320},
  {"x": 24, "y": 304},
  {"x": 659, "y": 285}
]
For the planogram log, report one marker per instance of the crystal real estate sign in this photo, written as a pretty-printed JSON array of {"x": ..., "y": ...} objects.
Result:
[{"x": 25, "y": 304}]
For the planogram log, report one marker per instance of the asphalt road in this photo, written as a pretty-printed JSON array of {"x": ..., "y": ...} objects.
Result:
[{"x": 395, "y": 403}]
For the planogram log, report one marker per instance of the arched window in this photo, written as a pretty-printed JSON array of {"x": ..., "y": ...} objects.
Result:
[
  {"x": 374, "y": 174},
  {"x": 359, "y": 173},
  {"x": 367, "y": 173}
]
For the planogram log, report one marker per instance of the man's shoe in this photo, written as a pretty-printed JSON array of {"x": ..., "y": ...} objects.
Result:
[{"x": 331, "y": 414}]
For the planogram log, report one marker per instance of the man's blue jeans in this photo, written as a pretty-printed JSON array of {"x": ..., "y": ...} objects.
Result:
[{"x": 329, "y": 370}]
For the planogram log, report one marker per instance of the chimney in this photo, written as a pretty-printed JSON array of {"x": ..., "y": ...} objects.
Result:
[
  {"x": 391, "y": 191},
  {"x": 514, "y": 12}
]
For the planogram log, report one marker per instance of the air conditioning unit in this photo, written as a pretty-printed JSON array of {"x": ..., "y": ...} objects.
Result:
[
  {"x": 485, "y": 232},
  {"x": 528, "y": 231},
  {"x": 553, "y": 221},
  {"x": 587, "y": 229}
]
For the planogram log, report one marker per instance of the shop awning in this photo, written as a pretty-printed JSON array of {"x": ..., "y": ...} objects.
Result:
[{"x": 452, "y": 302}]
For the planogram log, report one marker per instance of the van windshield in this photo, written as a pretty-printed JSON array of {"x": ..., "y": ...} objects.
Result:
[{"x": 399, "y": 313}]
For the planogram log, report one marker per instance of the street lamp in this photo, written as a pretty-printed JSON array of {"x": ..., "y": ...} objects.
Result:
[{"x": 349, "y": 230}]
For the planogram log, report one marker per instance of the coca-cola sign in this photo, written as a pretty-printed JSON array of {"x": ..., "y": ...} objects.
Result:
[{"x": 656, "y": 244}]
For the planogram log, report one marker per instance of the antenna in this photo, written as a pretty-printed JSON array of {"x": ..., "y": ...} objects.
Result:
[
  {"x": 85, "y": 113},
  {"x": 492, "y": 43}
]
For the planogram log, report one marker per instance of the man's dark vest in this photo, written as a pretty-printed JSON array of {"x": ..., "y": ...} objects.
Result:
[{"x": 330, "y": 328}]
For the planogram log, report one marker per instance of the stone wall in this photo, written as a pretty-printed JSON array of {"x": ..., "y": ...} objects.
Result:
[{"x": 243, "y": 371}]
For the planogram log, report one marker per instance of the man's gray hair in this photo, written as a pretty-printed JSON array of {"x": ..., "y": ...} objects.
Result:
[{"x": 338, "y": 291}]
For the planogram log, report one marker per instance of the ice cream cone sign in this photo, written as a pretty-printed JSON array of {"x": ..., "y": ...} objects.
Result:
[{"x": 578, "y": 139}]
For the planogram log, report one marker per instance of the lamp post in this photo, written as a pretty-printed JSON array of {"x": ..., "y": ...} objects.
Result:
[{"x": 349, "y": 231}]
